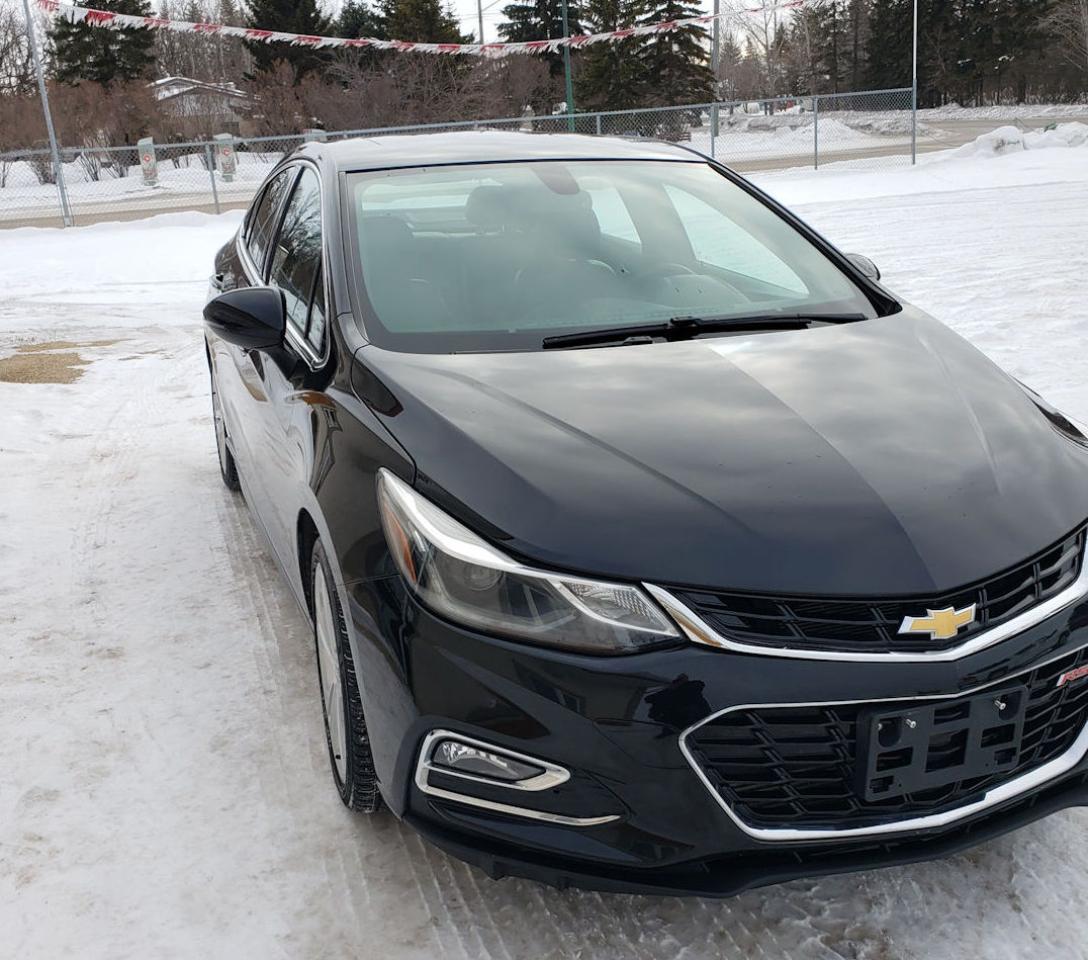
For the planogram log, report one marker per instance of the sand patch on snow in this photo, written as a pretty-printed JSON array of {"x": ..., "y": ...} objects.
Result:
[{"x": 66, "y": 367}]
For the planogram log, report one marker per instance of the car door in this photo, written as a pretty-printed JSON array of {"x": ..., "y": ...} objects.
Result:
[
  {"x": 240, "y": 376},
  {"x": 287, "y": 448}
]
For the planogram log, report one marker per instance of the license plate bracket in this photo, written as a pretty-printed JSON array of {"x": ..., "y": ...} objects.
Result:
[{"x": 923, "y": 747}]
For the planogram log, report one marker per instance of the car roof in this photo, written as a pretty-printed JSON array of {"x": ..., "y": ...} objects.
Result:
[{"x": 485, "y": 146}]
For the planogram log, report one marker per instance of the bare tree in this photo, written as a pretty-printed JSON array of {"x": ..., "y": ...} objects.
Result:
[
  {"x": 1069, "y": 22},
  {"x": 762, "y": 27},
  {"x": 16, "y": 66},
  {"x": 21, "y": 126},
  {"x": 201, "y": 56}
]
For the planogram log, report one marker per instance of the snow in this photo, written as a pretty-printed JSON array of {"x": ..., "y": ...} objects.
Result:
[
  {"x": 143, "y": 270},
  {"x": 165, "y": 790},
  {"x": 1007, "y": 139},
  {"x": 1034, "y": 157},
  {"x": 181, "y": 173},
  {"x": 954, "y": 111},
  {"x": 743, "y": 137}
]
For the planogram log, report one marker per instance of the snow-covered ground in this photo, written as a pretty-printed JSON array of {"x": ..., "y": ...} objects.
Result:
[
  {"x": 174, "y": 167},
  {"x": 163, "y": 781},
  {"x": 875, "y": 139},
  {"x": 1018, "y": 111},
  {"x": 793, "y": 135}
]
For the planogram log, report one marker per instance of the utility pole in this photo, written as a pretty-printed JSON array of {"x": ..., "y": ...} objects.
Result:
[
  {"x": 566, "y": 70},
  {"x": 65, "y": 210},
  {"x": 914, "y": 93},
  {"x": 715, "y": 63},
  {"x": 480, "y": 14}
]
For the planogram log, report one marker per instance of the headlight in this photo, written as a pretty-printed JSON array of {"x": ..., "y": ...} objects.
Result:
[{"x": 458, "y": 575}]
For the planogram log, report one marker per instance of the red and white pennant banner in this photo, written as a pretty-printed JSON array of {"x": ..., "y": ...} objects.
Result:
[{"x": 124, "y": 21}]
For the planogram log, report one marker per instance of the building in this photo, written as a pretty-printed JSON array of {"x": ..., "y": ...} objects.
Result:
[{"x": 199, "y": 108}]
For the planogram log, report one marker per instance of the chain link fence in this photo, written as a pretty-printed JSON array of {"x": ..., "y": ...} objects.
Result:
[{"x": 873, "y": 129}]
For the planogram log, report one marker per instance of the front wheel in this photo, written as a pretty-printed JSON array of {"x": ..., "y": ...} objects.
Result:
[
  {"x": 227, "y": 467},
  {"x": 345, "y": 729}
]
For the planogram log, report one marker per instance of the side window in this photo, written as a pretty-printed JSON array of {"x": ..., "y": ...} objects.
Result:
[
  {"x": 717, "y": 240},
  {"x": 263, "y": 219},
  {"x": 296, "y": 257},
  {"x": 315, "y": 333}
]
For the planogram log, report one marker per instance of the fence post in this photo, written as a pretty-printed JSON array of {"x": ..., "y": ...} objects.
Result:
[
  {"x": 914, "y": 123},
  {"x": 815, "y": 132},
  {"x": 224, "y": 154},
  {"x": 210, "y": 159},
  {"x": 598, "y": 124},
  {"x": 149, "y": 166}
]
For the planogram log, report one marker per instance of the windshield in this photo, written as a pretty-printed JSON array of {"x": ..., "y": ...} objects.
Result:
[{"x": 499, "y": 256}]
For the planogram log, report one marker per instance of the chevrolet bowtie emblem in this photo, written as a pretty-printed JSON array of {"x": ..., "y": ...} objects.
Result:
[{"x": 939, "y": 624}]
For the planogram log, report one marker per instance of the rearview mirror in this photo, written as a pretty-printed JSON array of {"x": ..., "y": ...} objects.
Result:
[
  {"x": 252, "y": 318},
  {"x": 865, "y": 265}
]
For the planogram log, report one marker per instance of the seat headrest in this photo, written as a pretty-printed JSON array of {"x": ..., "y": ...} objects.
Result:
[
  {"x": 488, "y": 207},
  {"x": 384, "y": 231},
  {"x": 574, "y": 227}
]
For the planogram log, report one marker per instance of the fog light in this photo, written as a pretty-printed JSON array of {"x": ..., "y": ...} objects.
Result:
[
  {"x": 447, "y": 756},
  {"x": 463, "y": 758}
]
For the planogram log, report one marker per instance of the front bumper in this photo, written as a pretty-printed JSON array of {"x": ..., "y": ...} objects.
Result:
[{"x": 617, "y": 723}]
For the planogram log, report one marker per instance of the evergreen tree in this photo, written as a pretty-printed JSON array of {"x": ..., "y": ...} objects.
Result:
[
  {"x": 832, "y": 49},
  {"x": 541, "y": 20},
  {"x": 677, "y": 63},
  {"x": 610, "y": 75},
  {"x": 287, "y": 16},
  {"x": 357, "y": 19},
  {"x": 857, "y": 38},
  {"x": 425, "y": 21},
  {"x": 821, "y": 55},
  {"x": 84, "y": 52},
  {"x": 890, "y": 47}
]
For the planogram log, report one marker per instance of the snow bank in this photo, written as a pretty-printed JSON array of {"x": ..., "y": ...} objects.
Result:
[
  {"x": 953, "y": 111},
  {"x": 1010, "y": 139},
  {"x": 137, "y": 273},
  {"x": 1025, "y": 159}
]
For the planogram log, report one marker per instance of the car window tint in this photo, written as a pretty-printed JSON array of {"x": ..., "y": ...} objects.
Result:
[
  {"x": 315, "y": 332},
  {"x": 263, "y": 220},
  {"x": 498, "y": 256},
  {"x": 721, "y": 242},
  {"x": 296, "y": 257}
]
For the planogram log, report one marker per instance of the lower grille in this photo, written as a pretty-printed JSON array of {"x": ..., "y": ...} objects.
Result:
[{"x": 797, "y": 766}]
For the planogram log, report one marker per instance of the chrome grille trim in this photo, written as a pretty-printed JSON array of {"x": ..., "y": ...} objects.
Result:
[
  {"x": 699, "y": 631},
  {"x": 997, "y": 795}
]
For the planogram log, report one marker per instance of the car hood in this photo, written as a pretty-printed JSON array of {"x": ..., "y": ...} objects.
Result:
[{"x": 883, "y": 457}]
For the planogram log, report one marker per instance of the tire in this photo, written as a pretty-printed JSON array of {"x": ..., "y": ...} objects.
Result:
[
  {"x": 345, "y": 729},
  {"x": 228, "y": 469}
]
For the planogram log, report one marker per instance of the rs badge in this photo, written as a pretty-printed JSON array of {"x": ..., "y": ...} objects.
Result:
[
  {"x": 939, "y": 624},
  {"x": 1070, "y": 675}
]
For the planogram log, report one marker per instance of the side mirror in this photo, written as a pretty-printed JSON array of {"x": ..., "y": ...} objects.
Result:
[
  {"x": 253, "y": 318},
  {"x": 865, "y": 265}
]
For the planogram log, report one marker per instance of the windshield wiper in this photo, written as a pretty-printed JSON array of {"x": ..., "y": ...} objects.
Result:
[{"x": 684, "y": 328}]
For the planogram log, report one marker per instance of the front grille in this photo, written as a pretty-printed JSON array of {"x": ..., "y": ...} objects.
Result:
[
  {"x": 869, "y": 625},
  {"x": 796, "y": 766}
]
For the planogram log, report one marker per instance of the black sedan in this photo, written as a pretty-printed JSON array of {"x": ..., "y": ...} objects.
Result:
[{"x": 650, "y": 543}]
